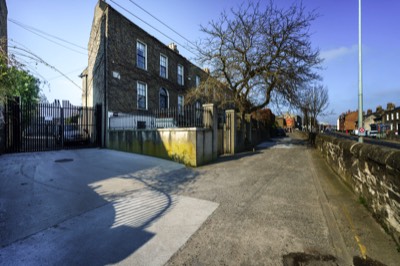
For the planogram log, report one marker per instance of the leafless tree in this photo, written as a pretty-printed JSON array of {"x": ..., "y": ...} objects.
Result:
[
  {"x": 259, "y": 50},
  {"x": 313, "y": 102}
]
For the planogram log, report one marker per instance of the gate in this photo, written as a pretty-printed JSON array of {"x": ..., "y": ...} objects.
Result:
[{"x": 43, "y": 126}]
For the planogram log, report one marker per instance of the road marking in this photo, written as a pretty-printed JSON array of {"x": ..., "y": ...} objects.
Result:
[{"x": 362, "y": 248}]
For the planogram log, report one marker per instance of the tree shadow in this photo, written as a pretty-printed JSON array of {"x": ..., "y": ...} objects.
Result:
[{"x": 97, "y": 214}]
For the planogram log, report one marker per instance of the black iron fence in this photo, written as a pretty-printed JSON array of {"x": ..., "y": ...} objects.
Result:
[
  {"x": 188, "y": 116},
  {"x": 43, "y": 126}
]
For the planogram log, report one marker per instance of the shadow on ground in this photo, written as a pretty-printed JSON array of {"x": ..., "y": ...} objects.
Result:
[{"x": 73, "y": 209}]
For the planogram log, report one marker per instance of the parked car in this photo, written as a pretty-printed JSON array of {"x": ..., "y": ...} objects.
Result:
[
  {"x": 280, "y": 132},
  {"x": 72, "y": 134}
]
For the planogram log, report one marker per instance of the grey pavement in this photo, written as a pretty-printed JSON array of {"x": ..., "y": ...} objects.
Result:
[
  {"x": 94, "y": 207},
  {"x": 281, "y": 205}
]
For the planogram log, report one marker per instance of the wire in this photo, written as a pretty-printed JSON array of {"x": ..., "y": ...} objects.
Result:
[
  {"x": 163, "y": 23},
  {"x": 27, "y": 28},
  {"x": 35, "y": 57},
  {"x": 148, "y": 24},
  {"x": 45, "y": 33}
]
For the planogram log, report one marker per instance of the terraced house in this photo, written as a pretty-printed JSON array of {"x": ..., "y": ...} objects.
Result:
[{"x": 129, "y": 70}]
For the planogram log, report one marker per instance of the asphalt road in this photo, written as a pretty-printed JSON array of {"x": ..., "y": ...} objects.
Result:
[{"x": 279, "y": 205}]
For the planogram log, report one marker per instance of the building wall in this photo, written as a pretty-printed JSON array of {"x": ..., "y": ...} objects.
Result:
[
  {"x": 122, "y": 74},
  {"x": 391, "y": 118},
  {"x": 350, "y": 121},
  {"x": 3, "y": 25},
  {"x": 368, "y": 120}
]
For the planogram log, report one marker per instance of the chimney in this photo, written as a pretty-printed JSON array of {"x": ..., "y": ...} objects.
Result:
[
  {"x": 369, "y": 112},
  {"x": 390, "y": 106},
  {"x": 173, "y": 47},
  {"x": 379, "y": 109}
]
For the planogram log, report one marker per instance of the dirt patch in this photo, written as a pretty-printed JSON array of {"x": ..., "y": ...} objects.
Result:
[
  {"x": 298, "y": 258},
  {"x": 358, "y": 261}
]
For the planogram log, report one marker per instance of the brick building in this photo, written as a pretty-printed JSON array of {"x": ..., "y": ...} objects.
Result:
[
  {"x": 3, "y": 25},
  {"x": 350, "y": 121},
  {"x": 130, "y": 70}
]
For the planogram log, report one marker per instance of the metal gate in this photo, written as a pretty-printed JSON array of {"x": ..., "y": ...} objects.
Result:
[{"x": 42, "y": 127}]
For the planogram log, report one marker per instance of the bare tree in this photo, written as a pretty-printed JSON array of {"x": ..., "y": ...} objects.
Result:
[
  {"x": 257, "y": 52},
  {"x": 313, "y": 102}
]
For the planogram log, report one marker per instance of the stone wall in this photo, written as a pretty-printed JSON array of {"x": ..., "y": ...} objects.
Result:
[
  {"x": 184, "y": 145},
  {"x": 373, "y": 172}
]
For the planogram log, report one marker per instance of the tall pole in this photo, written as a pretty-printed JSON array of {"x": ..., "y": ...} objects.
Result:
[{"x": 360, "y": 91}]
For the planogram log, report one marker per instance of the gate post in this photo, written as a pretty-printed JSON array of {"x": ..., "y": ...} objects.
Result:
[
  {"x": 210, "y": 120},
  {"x": 230, "y": 144}
]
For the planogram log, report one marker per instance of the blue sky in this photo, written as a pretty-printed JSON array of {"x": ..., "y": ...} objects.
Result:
[{"x": 335, "y": 33}]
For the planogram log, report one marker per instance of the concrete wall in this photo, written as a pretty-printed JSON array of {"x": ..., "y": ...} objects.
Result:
[
  {"x": 190, "y": 146},
  {"x": 373, "y": 172}
]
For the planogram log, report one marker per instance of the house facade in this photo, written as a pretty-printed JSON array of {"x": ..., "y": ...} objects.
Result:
[
  {"x": 391, "y": 118},
  {"x": 131, "y": 70}
]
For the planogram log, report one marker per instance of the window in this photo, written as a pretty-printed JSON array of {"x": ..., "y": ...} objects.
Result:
[
  {"x": 163, "y": 98},
  {"x": 141, "y": 95},
  {"x": 180, "y": 75},
  {"x": 163, "y": 66},
  {"x": 387, "y": 117},
  {"x": 198, "y": 109},
  {"x": 392, "y": 116},
  {"x": 197, "y": 81},
  {"x": 180, "y": 104},
  {"x": 397, "y": 115},
  {"x": 141, "y": 53}
]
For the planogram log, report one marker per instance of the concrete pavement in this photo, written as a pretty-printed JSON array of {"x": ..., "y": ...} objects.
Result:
[
  {"x": 96, "y": 207},
  {"x": 281, "y": 205}
]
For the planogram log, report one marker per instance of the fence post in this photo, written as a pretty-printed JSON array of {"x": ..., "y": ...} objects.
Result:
[
  {"x": 210, "y": 120},
  {"x": 230, "y": 144}
]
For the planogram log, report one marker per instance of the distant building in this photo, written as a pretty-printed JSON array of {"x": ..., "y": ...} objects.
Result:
[
  {"x": 3, "y": 26},
  {"x": 391, "y": 118},
  {"x": 350, "y": 121}
]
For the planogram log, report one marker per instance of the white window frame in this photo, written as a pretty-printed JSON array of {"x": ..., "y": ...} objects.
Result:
[
  {"x": 145, "y": 54},
  {"x": 181, "y": 104},
  {"x": 392, "y": 116},
  {"x": 397, "y": 115},
  {"x": 166, "y": 66},
  {"x": 138, "y": 95},
  {"x": 181, "y": 81},
  {"x": 387, "y": 117},
  {"x": 198, "y": 81}
]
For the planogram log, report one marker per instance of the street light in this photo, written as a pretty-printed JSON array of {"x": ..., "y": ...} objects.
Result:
[{"x": 360, "y": 92}]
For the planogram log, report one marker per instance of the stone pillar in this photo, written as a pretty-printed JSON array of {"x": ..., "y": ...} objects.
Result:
[
  {"x": 210, "y": 120},
  {"x": 249, "y": 129},
  {"x": 230, "y": 132}
]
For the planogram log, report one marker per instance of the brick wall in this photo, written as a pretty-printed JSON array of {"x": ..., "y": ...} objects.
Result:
[{"x": 122, "y": 74}]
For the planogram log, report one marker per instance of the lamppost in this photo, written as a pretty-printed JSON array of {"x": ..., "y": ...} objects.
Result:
[{"x": 360, "y": 91}]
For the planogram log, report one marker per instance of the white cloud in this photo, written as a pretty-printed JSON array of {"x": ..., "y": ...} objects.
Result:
[{"x": 335, "y": 53}]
